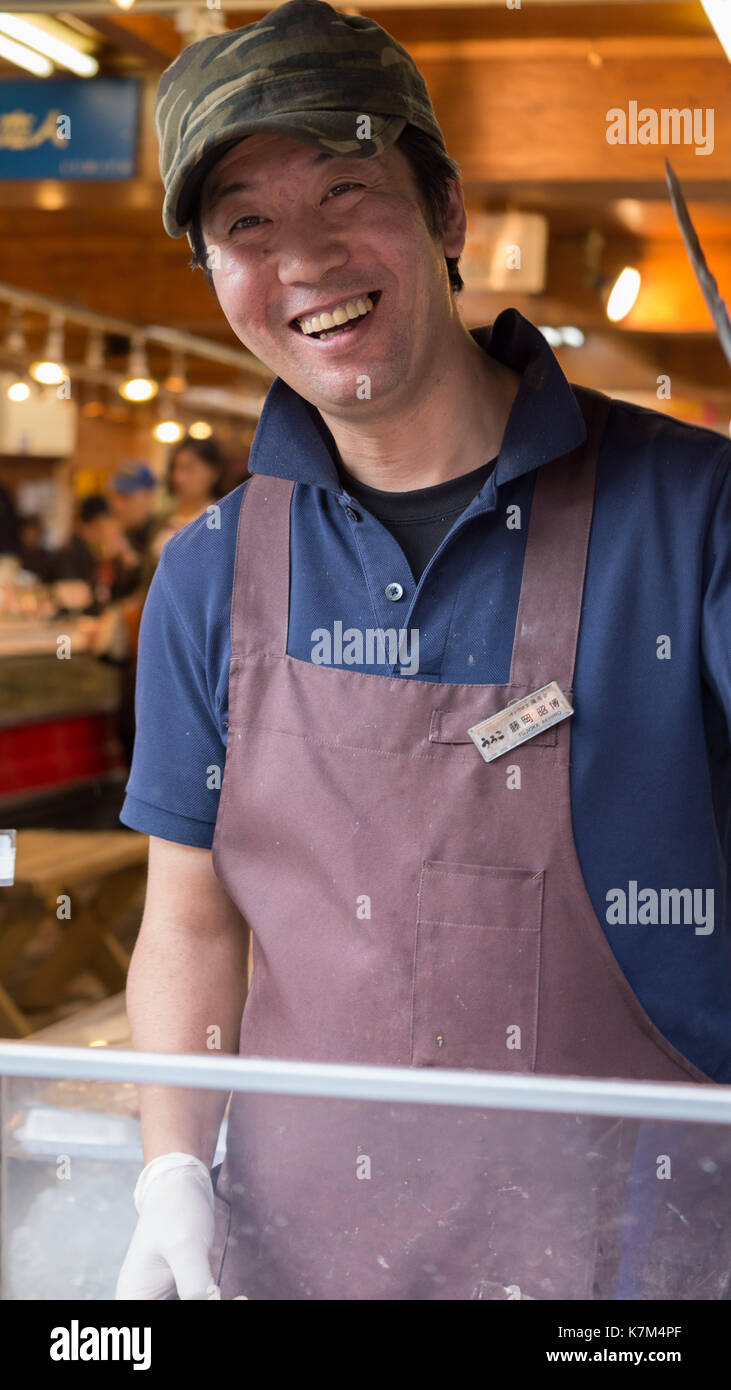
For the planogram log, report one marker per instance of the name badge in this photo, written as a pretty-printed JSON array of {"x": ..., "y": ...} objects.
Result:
[{"x": 521, "y": 720}]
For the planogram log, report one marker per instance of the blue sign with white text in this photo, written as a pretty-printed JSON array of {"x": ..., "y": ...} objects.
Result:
[{"x": 69, "y": 128}]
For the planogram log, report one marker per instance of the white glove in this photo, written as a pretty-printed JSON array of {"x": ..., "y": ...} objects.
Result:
[{"x": 170, "y": 1248}]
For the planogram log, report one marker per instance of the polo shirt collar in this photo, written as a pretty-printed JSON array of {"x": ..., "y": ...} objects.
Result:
[{"x": 292, "y": 440}]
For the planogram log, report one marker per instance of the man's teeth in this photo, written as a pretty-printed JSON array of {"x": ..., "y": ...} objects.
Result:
[{"x": 352, "y": 309}]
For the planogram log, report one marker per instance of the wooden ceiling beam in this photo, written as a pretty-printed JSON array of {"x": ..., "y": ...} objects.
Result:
[
  {"x": 521, "y": 122},
  {"x": 152, "y": 38},
  {"x": 593, "y": 50},
  {"x": 529, "y": 119}
]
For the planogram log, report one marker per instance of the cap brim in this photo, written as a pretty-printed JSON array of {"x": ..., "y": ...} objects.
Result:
[{"x": 329, "y": 130}]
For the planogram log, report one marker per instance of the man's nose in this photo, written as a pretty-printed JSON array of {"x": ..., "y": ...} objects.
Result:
[{"x": 309, "y": 247}]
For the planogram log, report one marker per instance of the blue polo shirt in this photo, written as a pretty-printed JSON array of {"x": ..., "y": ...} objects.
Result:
[{"x": 651, "y": 744}]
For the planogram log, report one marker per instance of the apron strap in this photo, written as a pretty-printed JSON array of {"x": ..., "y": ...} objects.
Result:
[
  {"x": 551, "y": 594},
  {"x": 260, "y": 595}
]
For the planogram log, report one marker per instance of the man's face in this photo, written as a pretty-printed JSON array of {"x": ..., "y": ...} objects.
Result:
[{"x": 310, "y": 232}]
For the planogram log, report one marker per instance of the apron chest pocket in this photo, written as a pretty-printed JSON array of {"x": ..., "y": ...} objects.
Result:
[{"x": 476, "y": 967}]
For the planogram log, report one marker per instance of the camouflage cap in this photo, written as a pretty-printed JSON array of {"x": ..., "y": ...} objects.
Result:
[{"x": 334, "y": 80}]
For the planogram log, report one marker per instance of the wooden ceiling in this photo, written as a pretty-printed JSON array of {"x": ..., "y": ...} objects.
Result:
[{"x": 522, "y": 96}]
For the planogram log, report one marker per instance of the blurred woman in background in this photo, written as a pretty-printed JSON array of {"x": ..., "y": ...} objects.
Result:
[{"x": 195, "y": 477}]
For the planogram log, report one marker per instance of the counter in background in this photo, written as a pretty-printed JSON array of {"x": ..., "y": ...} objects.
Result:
[{"x": 58, "y": 717}]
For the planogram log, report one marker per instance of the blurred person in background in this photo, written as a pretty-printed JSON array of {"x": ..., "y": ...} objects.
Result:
[
  {"x": 34, "y": 555},
  {"x": 195, "y": 477},
  {"x": 132, "y": 499},
  {"x": 99, "y": 553},
  {"x": 8, "y": 524}
]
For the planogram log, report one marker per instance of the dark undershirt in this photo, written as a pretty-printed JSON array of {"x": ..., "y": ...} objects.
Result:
[{"x": 419, "y": 519}]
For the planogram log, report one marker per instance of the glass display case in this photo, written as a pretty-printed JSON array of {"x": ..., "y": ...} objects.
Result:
[{"x": 346, "y": 1182}]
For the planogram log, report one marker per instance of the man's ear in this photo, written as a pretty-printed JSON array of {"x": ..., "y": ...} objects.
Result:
[{"x": 455, "y": 222}]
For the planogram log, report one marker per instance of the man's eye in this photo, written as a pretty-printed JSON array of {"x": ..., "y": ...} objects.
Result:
[
  {"x": 343, "y": 185},
  {"x": 241, "y": 222},
  {"x": 251, "y": 217}
]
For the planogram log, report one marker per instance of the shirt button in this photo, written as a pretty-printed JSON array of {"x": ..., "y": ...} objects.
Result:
[
  {"x": 394, "y": 592},
  {"x": 352, "y": 514}
]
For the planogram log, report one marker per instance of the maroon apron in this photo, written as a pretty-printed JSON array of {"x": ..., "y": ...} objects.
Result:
[{"x": 410, "y": 906}]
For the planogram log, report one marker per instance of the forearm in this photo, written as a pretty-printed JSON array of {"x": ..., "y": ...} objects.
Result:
[{"x": 183, "y": 984}]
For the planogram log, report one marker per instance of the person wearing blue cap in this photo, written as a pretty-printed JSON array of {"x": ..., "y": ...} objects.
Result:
[{"x": 132, "y": 498}]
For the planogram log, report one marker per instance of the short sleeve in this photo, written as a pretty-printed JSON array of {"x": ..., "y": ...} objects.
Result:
[{"x": 179, "y": 751}]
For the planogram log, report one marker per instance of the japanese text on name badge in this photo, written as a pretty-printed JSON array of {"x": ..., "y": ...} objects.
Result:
[{"x": 520, "y": 721}]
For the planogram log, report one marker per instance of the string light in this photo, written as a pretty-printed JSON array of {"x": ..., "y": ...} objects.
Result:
[
  {"x": 95, "y": 352},
  {"x": 18, "y": 391},
  {"x": 176, "y": 380},
  {"x": 49, "y": 370},
  {"x": 558, "y": 337},
  {"x": 200, "y": 429},
  {"x": 168, "y": 431},
  {"x": 15, "y": 344},
  {"x": 573, "y": 337},
  {"x": 138, "y": 385}
]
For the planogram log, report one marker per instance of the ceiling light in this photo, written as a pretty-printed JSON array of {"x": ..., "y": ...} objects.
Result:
[
  {"x": 47, "y": 373},
  {"x": 176, "y": 380},
  {"x": 572, "y": 337},
  {"x": 124, "y": 4},
  {"x": 25, "y": 58},
  {"x": 15, "y": 344},
  {"x": 64, "y": 54},
  {"x": 18, "y": 391},
  {"x": 49, "y": 370},
  {"x": 719, "y": 13},
  {"x": 200, "y": 429},
  {"x": 623, "y": 294},
  {"x": 568, "y": 336},
  {"x": 95, "y": 352},
  {"x": 138, "y": 388},
  {"x": 138, "y": 385},
  {"x": 168, "y": 432},
  {"x": 50, "y": 195}
]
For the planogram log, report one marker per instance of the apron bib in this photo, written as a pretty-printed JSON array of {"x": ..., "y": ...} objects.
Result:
[{"x": 411, "y": 906}]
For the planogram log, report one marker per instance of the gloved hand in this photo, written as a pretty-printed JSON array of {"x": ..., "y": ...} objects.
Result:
[{"x": 170, "y": 1248}]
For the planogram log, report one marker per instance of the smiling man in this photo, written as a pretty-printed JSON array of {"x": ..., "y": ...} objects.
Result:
[
  {"x": 429, "y": 860},
  {"x": 356, "y": 295}
]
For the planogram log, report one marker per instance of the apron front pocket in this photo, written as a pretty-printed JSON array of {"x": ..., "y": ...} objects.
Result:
[{"x": 477, "y": 967}]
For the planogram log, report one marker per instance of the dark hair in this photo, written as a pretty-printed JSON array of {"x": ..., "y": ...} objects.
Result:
[
  {"x": 432, "y": 169},
  {"x": 209, "y": 452},
  {"x": 92, "y": 507}
]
